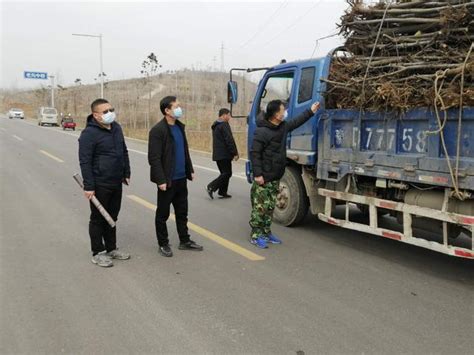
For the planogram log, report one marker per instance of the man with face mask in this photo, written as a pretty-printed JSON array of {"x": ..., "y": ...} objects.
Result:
[
  {"x": 105, "y": 166},
  {"x": 170, "y": 168},
  {"x": 268, "y": 158}
]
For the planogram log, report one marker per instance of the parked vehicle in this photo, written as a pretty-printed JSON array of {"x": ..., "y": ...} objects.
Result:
[
  {"x": 67, "y": 122},
  {"x": 47, "y": 116},
  {"x": 16, "y": 113},
  {"x": 382, "y": 162}
]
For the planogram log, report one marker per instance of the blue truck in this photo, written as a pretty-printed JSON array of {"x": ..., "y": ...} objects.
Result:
[{"x": 411, "y": 181}]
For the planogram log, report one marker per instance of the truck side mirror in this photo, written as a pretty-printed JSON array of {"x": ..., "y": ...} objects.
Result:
[{"x": 232, "y": 92}]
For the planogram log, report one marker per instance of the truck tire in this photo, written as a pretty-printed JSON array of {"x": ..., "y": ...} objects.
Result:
[{"x": 292, "y": 201}]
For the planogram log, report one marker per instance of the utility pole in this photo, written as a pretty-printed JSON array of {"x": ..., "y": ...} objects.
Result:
[
  {"x": 52, "y": 90},
  {"x": 222, "y": 58}
]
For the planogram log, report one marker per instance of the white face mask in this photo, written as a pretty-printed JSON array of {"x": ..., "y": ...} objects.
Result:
[
  {"x": 108, "y": 118},
  {"x": 178, "y": 113},
  {"x": 285, "y": 115}
]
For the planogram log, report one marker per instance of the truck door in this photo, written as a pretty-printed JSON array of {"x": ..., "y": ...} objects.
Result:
[{"x": 302, "y": 138}]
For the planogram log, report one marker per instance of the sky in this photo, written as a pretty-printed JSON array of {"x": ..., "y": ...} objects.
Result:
[{"x": 37, "y": 36}]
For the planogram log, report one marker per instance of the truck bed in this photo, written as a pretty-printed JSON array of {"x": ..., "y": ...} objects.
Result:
[{"x": 395, "y": 146}]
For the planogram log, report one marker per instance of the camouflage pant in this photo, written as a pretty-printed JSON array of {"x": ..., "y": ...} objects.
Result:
[{"x": 263, "y": 200}]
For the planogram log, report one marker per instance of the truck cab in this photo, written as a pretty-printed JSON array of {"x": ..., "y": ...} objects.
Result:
[{"x": 295, "y": 84}]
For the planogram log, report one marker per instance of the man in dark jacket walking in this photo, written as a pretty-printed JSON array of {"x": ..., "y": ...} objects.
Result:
[
  {"x": 268, "y": 158},
  {"x": 103, "y": 157},
  {"x": 170, "y": 168},
  {"x": 224, "y": 151}
]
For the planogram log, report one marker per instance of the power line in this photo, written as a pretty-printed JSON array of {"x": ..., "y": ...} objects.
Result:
[
  {"x": 291, "y": 24},
  {"x": 270, "y": 18}
]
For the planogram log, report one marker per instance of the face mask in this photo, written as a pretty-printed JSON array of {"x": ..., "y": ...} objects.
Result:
[
  {"x": 108, "y": 118},
  {"x": 178, "y": 112},
  {"x": 285, "y": 115}
]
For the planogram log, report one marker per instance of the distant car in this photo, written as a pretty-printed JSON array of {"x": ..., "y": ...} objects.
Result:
[
  {"x": 47, "y": 115},
  {"x": 16, "y": 113},
  {"x": 68, "y": 123}
]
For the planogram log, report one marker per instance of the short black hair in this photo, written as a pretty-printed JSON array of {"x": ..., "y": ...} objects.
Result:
[
  {"x": 223, "y": 111},
  {"x": 272, "y": 108},
  {"x": 166, "y": 102},
  {"x": 97, "y": 102}
]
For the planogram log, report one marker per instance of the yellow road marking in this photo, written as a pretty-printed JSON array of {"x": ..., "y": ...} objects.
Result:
[
  {"x": 49, "y": 155},
  {"x": 205, "y": 233}
]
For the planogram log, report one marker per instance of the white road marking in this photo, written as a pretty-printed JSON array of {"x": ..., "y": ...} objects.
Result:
[
  {"x": 17, "y": 138},
  {"x": 49, "y": 155},
  {"x": 239, "y": 176}
]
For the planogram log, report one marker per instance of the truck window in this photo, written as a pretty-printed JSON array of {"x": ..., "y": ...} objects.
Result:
[
  {"x": 305, "y": 91},
  {"x": 50, "y": 111},
  {"x": 277, "y": 87}
]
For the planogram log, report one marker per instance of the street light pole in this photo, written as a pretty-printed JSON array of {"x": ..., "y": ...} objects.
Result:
[
  {"x": 52, "y": 90},
  {"x": 99, "y": 36},
  {"x": 101, "y": 68}
]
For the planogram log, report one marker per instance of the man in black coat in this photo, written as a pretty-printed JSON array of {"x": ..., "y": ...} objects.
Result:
[
  {"x": 170, "y": 168},
  {"x": 224, "y": 150},
  {"x": 268, "y": 158},
  {"x": 103, "y": 157}
]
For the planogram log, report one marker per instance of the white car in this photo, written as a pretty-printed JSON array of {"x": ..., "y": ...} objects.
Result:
[
  {"x": 16, "y": 113},
  {"x": 47, "y": 115}
]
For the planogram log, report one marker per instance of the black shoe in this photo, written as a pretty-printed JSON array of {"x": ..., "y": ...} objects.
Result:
[
  {"x": 191, "y": 245},
  {"x": 210, "y": 193},
  {"x": 225, "y": 196},
  {"x": 166, "y": 251}
]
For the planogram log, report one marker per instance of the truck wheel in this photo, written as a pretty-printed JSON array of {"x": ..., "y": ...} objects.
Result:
[{"x": 292, "y": 201}]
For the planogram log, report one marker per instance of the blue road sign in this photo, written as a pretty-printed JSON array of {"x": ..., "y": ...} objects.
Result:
[{"x": 35, "y": 75}]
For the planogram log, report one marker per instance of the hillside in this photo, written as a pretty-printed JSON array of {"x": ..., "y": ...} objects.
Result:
[{"x": 201, "y": 93}]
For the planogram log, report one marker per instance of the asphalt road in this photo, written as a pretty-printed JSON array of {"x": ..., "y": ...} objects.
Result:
[{"x": 325, "y": 290}]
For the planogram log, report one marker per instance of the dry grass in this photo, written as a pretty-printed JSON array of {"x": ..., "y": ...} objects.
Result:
[{"x": 201, "y": 93}]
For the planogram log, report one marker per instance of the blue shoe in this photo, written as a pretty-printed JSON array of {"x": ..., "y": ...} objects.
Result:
[
  {"x": 272, "y": 238},
  {"x": 259, "y": 242}
]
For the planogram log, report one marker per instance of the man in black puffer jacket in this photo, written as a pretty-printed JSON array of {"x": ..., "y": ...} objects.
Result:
[
  {"x": 105, "y": 165},
  {"x": 268, "y": 158},
  {"x": 224, "y": 151}
]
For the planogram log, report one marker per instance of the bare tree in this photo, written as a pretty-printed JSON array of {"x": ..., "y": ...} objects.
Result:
[{"x": 150, "y": 67}]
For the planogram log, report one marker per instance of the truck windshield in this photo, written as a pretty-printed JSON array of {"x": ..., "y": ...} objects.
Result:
[{"x": 277, "y": 87}]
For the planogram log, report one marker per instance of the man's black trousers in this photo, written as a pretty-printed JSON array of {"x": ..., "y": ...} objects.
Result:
[
  {"x": 176, "y": 195},
  {"x": 221, "y": 183},
  {"x": 103, "y": 237}
]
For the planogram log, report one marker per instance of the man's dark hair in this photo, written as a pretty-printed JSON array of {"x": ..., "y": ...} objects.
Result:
[
  {"x": 223, "y": 111},
  {"x": 272, "y": 108},
  {"x": 98, "y": 102},
  {"x": 166, "y": 102}
]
